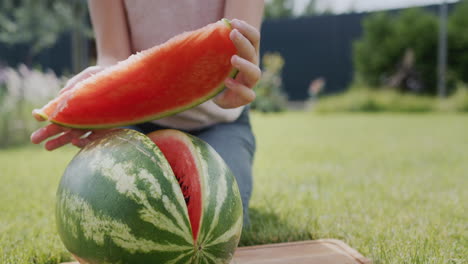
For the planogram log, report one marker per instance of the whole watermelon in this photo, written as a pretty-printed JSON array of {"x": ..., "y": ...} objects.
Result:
[{"x": 163, "y": 198}]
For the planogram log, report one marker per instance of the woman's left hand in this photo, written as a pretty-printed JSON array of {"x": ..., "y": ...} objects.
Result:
[{"x": 239, "y": 91}]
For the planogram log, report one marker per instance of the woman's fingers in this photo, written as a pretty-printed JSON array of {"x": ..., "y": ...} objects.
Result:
[
  {"x": 88, "y": 72},
  {"x": 236, "y": 94},
  {"x": 243, "y": 46},
  {"x": 66, "y": 135},
  {"x": 45, "y": 132},
  {"x": 81, "y": 142},
  {"x": 86, "y": 139},
  {"x": 242, "y": 91},
  {"x": 249, "y": 31},
  {"x": 250, "y": 73},
  {"x": 64, "y": 139}
]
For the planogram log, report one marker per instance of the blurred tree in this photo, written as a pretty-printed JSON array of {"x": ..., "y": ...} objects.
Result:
[
  {"x": 458, "y": 41},
  {"x": 310, "y": 9},
  {"x": 278, "y": 9},
  {"x": 387, "y": 44},
  {"x": 376, "y": 39},
  {"x": 39, "y": 24}
]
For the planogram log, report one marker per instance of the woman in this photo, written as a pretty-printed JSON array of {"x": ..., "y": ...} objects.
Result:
[{"x": 124, "y": 27}]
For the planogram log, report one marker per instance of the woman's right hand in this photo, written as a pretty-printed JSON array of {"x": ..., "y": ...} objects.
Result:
[{"x": 78, "y": 137}]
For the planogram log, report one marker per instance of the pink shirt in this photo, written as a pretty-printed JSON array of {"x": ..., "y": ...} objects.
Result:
[{"x": 152, "y": 22}]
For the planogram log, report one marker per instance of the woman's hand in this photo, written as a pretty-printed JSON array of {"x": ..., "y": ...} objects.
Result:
[
  {"x": 239, "y": 91},
  {"x": 78, "y": 137}
]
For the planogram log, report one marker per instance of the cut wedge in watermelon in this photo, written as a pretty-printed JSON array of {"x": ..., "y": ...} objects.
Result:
[
  {"x": 186, "y": 71},
  {"x": 181, "y": 155}
]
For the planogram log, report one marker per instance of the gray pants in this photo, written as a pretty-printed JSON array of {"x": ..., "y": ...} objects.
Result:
[{"x": 235, "y": 143}]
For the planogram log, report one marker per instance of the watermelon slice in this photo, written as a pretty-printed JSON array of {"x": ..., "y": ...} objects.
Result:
[{"x": 184, "y": 72}]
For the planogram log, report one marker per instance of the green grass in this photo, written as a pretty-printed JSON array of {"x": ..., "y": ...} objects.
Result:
[{"x": 391, "y": 186}]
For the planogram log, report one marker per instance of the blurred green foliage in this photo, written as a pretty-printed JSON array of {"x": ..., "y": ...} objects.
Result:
[
  {"x": 275, "y": 9},
  {"x": 458, "y": 41},
  {"x": 368, "y": 99},
  {"x": 457, "y": 102},
  {"x": 380, "y": 52},
  {"x": 270, "y": 96},
  {"x": 399, "y": 48},
  {"x": 386, "y": 39},
  {"x": 278, "y": 9},
  {"x": 40, "y": 23}
]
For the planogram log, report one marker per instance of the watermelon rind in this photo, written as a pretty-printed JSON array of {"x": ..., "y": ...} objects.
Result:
[{"x": 227, "y": 22}]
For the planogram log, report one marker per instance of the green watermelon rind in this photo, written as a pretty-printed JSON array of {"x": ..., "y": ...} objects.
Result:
[{"x": 227, "y": 22}]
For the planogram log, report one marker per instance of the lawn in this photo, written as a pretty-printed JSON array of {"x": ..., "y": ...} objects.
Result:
[{"x": 391, "y": 186}]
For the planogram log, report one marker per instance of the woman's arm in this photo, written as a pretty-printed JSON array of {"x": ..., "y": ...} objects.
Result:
[
  {"x": 113, "y": 45},
  {"x": 111, "y": 31},
  {"x": 246, "y": 18},
  {"x": 251, "y": 11}
]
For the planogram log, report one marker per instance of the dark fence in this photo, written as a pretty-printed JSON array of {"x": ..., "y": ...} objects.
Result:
[
  {"x": 314, "y": 47},
  {"x": 58, "y": 58}
]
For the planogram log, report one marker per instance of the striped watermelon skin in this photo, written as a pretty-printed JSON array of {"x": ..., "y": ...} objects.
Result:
[{"x": 119, "y": 202}]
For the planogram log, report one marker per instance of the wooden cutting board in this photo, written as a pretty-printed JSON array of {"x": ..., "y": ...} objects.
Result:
[{"x": 323, "y": 251}]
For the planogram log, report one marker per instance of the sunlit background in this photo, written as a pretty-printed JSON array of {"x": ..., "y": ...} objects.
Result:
[
  {"x": 347, "y": 6},
  {"x": 360, "y": 119}
]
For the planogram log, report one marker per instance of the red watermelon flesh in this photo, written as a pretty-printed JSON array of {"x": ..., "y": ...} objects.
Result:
[
  {"x": 181, "y": 158},
  {"x": 185, "y": 71}
]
